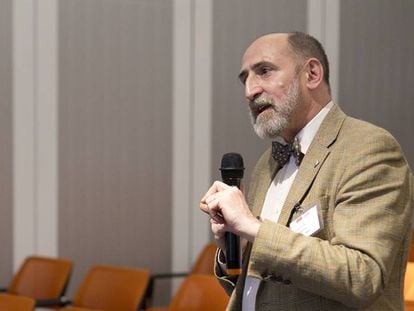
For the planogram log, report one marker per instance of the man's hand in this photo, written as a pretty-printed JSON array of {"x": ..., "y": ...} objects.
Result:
[{"x": 229, "y": 211}]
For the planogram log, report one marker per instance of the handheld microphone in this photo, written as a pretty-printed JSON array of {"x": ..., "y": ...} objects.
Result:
[{"x": 232, "y": 170}]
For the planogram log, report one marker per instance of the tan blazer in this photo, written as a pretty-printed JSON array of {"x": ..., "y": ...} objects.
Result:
[{"x": 358, "y": 177}]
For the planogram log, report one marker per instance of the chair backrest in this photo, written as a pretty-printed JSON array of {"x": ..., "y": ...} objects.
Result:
[
  {"x": 199, "y": 293},
  {"x": 112, "y": 288},
  {"x": 16, "y": 303},
  {"x": 204, "y": 263},
  {"x": 411, "y": 250},
  {"x": 41, "y": 278},
  {"x": 409, "y": 286}
]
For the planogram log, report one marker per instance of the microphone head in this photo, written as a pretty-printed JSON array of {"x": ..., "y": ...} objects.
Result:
[{"x": 232, "y": 166}]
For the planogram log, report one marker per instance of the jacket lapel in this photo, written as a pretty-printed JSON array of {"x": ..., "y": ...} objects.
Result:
[{"x": 313, "y": 161}]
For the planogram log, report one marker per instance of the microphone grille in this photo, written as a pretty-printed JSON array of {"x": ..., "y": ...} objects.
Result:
[{"x": 232, "y": 165}]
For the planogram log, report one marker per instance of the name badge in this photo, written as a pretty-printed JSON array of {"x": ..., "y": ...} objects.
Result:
[{"x": 307, "y": 222}]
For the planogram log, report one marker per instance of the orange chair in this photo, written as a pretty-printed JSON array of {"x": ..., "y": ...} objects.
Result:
[
  {"x": 111, "y": 288},
  {"x": 199, "y": 292},
  {"x": 205, "y": 260},
  {"x": 409, "y": 287},
  {"x": 411, "y": 252},
  {"x": 204, "y": 264},
  {"x": 16, "y": 303},
  {"x": 41, "y": 278},
  {"x": 409, "y": 278}
]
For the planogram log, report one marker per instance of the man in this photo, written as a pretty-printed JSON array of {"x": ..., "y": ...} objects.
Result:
[{"x": 329, "y": 229}]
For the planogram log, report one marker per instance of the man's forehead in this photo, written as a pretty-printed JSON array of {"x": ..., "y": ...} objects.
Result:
[
  {"x": 265, "y": 48},
  {"x": 268, "y": 44}
]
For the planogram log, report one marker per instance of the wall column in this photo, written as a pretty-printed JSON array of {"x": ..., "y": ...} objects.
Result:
[
  {"x": 323, "y": 24},
  {"x": 34, "y": 128}
]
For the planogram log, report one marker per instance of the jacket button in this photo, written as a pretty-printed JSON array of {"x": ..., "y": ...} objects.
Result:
[{"x": 287, "y": 282}]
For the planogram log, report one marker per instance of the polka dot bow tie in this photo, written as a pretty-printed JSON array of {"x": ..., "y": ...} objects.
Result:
[{"x": 281, "y": 153}]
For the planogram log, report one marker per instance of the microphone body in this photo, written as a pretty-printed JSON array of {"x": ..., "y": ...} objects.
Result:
[{"x": 232, "y": 170}]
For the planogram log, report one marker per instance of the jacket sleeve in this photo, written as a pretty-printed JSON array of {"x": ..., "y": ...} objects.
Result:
[{"x": 228, "y": 282}]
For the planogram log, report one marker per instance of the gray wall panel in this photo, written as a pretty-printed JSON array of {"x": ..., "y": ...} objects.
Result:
[
  {"x": 6, "y": 143},
  {"x": 236, "y": 24},
  {"x": 115, "y": 107},
  {"x": 376, "y": 65}
]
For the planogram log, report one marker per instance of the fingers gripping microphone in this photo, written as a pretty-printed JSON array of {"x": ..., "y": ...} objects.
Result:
[{"x": 232, "y": 170}]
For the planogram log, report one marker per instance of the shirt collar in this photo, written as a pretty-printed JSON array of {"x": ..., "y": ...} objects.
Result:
[{"x": 307, "y": 134}]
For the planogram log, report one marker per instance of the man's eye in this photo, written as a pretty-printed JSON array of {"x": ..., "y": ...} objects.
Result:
[{"x": 265, "y": 70}]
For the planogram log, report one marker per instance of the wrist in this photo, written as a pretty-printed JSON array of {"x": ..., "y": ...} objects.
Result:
[{"x": 251, "y": 230}]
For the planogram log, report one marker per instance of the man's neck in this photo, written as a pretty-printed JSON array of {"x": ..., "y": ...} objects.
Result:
[{"x": 313, "y": 108}]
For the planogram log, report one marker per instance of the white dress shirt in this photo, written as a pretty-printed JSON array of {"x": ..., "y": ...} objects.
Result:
[{"x": 277, "y": 193}]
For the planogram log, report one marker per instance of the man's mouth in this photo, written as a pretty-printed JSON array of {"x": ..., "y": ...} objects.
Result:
[
  {"x": 258, "y": 109},
  {"x": 263, "y": 107}
]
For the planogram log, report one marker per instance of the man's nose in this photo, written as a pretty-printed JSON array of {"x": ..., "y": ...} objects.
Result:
[{"x": 252, "y": 89}]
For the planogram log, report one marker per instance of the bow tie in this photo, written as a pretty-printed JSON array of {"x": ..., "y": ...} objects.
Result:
[{"x": 281, "y": 153}]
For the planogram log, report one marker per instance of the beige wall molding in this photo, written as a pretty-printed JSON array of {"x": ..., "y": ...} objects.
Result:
[{"x": 34, "y": 128}]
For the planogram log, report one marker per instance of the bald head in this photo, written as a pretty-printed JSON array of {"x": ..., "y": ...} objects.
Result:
[
  {"x": 297, "y": 46},
  {"x": 274, "y": 43},
  {"x": 272, "y": 38}
]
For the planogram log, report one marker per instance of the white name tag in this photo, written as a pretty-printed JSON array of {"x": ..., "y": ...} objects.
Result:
[{"x": 308, "y": 223}]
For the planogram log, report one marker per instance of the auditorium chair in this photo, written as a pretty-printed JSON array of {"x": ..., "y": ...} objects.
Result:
[
  {"x": 111, "y": 288},
  {"x": 16, "y": 303},
  {"x": 409, "y": 287},
  {"x": 411, "y": 252},
  {"x": 42, "y": 278},
  {"x": 198, "y": 292},
  {"x": 204, "y": 264}
]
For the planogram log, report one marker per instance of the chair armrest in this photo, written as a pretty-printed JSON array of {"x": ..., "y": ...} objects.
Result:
[
  {"x": 168, "y": 275},
  {"x": 56, "y": 302}
]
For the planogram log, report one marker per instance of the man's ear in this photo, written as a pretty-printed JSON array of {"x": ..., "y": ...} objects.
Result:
[{"x": 314, "y": 73}]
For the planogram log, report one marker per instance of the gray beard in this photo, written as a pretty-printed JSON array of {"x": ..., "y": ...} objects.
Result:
[{"x": 272, "y": 122}]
